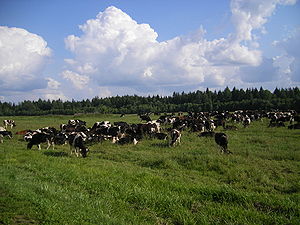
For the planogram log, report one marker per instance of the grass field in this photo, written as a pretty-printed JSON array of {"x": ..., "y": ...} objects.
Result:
[{"x": 151, "y": 183}]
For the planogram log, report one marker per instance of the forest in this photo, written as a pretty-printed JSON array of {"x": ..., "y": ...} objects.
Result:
[{"x": 222, "y": 100}]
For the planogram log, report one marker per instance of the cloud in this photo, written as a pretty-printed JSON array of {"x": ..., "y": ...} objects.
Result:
[
  {"x": 52, "y": 84},
  {"x": 114, "y": 50},
  {"x": 23, "y": 56},
  {"x": 250, "y": 15},
  {"x": 79, "y": 81},
  {"x": 289, "y": 62}
]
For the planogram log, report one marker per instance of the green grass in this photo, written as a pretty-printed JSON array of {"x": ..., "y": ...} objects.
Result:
[{"x": 151, "y": 183}]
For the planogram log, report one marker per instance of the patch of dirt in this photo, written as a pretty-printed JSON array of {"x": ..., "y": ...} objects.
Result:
[{"x": 20, "y": 219}]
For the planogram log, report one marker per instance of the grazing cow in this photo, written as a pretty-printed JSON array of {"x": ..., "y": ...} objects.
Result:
[
  {"x": 60, "y": 138},
  {"x": 123, "y": 126},
  {"x": 63, "y": 127},
  {"x": 10, "y": 123},
  {"x": 209, "y": 125},
  {"x": 246, "y": 121},
  {"x": 3, "y": 134},
  {"x": 39, "y": 138},
  {"x": 99, "y": 125},
  {"x": 108, "y": 132},
  {"x": 222, "y": 140},
  {"x": 77, "y": 122},
  {"x": 145, "y": 117},
  {"x": 77, "y": 143},
  {"x": 128, "y": 139},
  {"x": 175, "y": 137}
]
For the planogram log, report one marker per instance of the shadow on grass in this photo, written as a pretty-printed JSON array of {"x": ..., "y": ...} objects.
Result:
[
  {"x": 160, "y": 145},
  {"x": 56, "y": 154}
]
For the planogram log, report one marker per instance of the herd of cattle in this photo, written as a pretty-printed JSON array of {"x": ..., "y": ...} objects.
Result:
[{"x": 166, "y": 127}]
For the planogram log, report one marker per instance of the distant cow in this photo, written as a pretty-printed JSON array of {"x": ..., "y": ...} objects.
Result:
[
  {"x": 77, "y": 122},
  {"x": 128, "y": 139},
  {"x": 145, "y": 117},
  {"x": 222, "y": 140},
  {"x": 246, "y": 121},
  {"x": 10, "y": 123},
  {"x": 38, "y": 139},
  {"x": 3, "y": 134},
  {"x": 175, "y": 137}
]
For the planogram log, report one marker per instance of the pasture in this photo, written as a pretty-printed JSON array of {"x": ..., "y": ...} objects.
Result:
[{"x": 151, "y": 183}]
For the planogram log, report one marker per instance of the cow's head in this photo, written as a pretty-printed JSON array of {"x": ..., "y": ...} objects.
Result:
[{"x": 84, "y": 152}]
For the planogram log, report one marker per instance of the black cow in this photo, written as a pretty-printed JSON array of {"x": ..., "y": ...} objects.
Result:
[
  {"x": 60, "y": 138},
  {"x": 222, "y": 140},
  {"x": 39, "y": 138},
  {"x": 3, "y": 134},
  {"x": 145, "y": 117}
]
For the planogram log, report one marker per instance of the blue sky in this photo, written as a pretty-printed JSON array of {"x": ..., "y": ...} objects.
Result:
[{"x": 81, "y": 49}]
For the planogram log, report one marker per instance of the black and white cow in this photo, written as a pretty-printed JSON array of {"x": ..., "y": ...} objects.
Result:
[
  {"x": 10, "y": 123},
  {"x": 246, "y": 121},
  {"x": 175, "y": 137},
  {"x": 4, "y": 134},
  {"x": 76, "y": 141},
  {"x": 127, "y": 139},
  {"x": 145, "y": 117},
  {"x": 111, "y": 132},
  {"x": 77, "y": 122}
]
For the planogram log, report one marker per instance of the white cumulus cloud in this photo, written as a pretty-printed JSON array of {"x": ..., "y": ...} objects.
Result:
[
  {"x": 23, "y": 56},
  {"x": 79, "y": 81},
  {"x": 114, "y": 50}
]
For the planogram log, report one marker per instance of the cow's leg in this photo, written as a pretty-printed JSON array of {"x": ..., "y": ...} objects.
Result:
[
  {"x": 39, "y": 146},
  {"x": 77, "y": 152},
  {"x": 48, "y": 144}
]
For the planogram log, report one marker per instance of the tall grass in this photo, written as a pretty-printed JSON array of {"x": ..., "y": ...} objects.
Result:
[{"x": 151, "y": 183}]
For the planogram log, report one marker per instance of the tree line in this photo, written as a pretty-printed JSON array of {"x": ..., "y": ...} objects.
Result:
[{"x": 222, "y": 100}]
